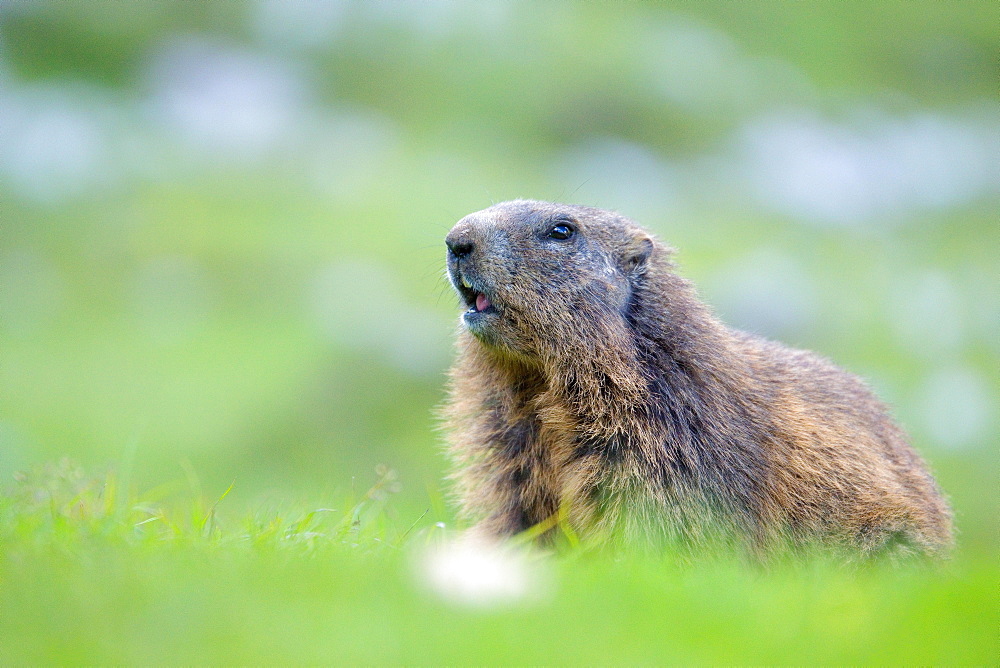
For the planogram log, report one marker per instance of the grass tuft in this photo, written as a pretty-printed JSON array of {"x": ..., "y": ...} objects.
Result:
[{"x": 60, "y": 505}]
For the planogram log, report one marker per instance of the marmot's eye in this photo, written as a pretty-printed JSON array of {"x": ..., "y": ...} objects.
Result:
[{"x": 561, "y": 232}]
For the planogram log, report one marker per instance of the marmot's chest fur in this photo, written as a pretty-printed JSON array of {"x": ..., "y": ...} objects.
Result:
[{"x": 592, "y": 385}]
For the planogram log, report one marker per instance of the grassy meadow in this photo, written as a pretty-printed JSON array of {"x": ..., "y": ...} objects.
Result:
[
  {"x": 92, "y": 574},
  {"x": 224, "y": 325}
]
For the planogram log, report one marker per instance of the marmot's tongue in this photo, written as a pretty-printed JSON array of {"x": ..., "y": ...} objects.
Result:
[{"x": 482, "y": 303}]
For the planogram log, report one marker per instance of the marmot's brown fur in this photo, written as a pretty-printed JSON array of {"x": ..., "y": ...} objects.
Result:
[{"x": 592, "y": 382}]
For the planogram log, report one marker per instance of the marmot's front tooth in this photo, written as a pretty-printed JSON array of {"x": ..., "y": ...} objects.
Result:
[{"x": 466, "y": 284}]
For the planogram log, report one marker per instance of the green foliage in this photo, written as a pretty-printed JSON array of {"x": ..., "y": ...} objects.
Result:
[
  {"x": 93, "y": 574},
  {"x": 59, "y": 506}
]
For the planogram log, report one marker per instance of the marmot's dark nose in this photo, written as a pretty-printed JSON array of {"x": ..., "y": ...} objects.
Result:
[{"x": 458, "y": 246}]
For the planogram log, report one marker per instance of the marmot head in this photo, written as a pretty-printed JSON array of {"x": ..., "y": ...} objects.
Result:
[{"x": 540, "y": 278}]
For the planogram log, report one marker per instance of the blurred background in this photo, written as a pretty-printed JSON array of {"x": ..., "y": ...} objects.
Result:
[{"x": 221, "y": 223}]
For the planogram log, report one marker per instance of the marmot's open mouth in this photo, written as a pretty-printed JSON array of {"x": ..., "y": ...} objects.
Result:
[
  {"x": 482, "y": 302},
  {"x": 477, "y": 301}
]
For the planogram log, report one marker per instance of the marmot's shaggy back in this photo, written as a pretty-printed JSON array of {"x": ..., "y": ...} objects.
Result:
[{"x": 590, "y": 380}]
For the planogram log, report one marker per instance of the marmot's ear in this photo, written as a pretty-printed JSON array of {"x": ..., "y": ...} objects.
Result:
[{"x": 638, "y": 254}]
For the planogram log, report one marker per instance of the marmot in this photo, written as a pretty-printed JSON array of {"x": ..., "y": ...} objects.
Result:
[{"x": 592, "y": 383}]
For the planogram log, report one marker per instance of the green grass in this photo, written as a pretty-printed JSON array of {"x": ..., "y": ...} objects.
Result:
[{"x": 92, "y": 573}]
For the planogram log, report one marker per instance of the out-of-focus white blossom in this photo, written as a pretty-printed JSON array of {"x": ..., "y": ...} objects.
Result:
[{"x": 477, "y": 572}]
